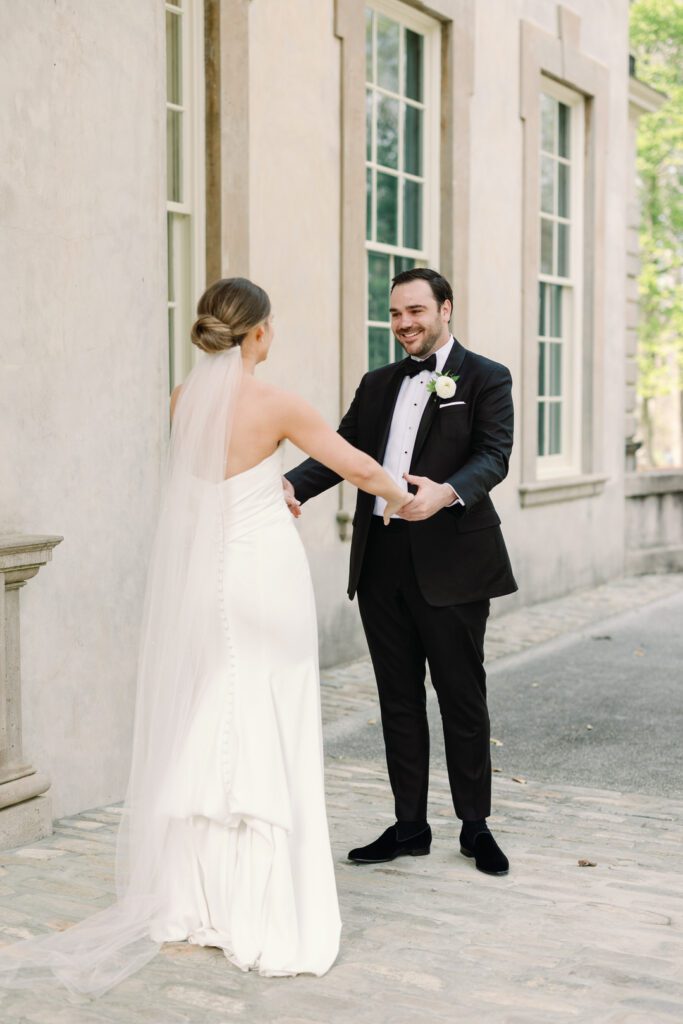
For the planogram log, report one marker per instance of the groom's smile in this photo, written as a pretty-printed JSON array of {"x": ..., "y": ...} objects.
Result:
[{"x": 419, "y": 324}]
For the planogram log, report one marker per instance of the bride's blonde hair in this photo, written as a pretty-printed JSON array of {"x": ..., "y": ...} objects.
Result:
[{"x": 226, "y": 312}]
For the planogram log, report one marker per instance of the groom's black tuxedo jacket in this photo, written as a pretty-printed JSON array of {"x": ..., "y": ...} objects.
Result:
[{"x": 459, "y": 554}]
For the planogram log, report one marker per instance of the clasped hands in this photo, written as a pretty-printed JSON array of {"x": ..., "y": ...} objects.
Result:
[{"x": 429, "y": 498}]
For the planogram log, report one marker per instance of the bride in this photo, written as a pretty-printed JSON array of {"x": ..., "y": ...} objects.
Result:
[{"x": 223, "y": 839}]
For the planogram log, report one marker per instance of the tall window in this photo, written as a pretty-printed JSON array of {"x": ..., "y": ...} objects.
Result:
[
  {"x": 185, "y": 176},
  {"x": 559, "y": 298},
  {"x": 402, "y": 124}
]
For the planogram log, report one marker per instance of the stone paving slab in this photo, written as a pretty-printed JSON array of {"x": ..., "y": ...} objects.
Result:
[
  {"x": 552, "y": 942},
  {"x": 428, "y": 938}
]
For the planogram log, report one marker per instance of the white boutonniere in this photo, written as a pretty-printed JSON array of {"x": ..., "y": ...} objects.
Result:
[{"x": 443, "y": 384}]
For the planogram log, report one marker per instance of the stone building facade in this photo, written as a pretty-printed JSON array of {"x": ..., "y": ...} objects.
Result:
[{"x": 317, "y": 146}]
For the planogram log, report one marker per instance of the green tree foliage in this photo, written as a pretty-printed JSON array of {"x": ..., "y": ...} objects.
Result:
[{"x": 657, "y": 44}]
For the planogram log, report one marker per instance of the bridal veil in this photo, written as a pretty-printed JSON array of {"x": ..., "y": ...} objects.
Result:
[{"x": 97, "y": 953}]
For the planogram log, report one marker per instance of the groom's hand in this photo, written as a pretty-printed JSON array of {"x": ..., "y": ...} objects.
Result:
[
  {"x": 430, "y": 497},
  {"x": 293, "y": 505}
]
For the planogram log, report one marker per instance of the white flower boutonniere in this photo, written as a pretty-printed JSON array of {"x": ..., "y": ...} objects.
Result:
[{"x": 443, "y": 384}]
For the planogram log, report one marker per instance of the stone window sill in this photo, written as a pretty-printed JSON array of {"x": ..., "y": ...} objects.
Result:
[{"x": 545, "y": 492}]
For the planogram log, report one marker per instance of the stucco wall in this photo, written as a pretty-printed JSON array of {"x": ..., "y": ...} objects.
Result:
[
  {"x": 83, "y": 376},
  {"x": 295, "y": 153}
]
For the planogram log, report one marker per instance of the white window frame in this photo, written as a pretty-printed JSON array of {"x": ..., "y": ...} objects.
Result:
[
  {"x": 430, "y": 28},
  {"x": 186, "y": 219},
  {"x": 568, "y": 461}
]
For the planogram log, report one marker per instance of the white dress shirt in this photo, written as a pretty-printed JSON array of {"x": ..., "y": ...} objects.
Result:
[{"x": 410, "y": 404}]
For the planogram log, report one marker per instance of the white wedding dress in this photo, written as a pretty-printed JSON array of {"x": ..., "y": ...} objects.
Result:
[
  {"x": 223, "y": 838},
  {"x": 247, "y": 864}
]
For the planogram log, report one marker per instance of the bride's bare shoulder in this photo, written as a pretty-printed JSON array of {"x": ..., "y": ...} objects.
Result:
[{"x": 263, "y": 391}]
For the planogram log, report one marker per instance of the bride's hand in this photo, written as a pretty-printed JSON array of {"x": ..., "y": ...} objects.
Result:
[
  {"x": 396, "y": 504},
  {"x": 293, "y": 505}
]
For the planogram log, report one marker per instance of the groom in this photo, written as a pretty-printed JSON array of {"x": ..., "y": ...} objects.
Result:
[{"x": 442, "y": 420}]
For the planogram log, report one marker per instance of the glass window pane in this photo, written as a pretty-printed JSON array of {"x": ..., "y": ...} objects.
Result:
[
  {"x": 398, "y": 351},
  {"x": 174, "y": 76},
  {"x": 173, "y": 155},
  {"x": 541, "y": 368},
  {"x": 387, "y": 209},
  {"x": 368, "y": 44},
  {"x": 412, "y": 141},
  {"x": 542, "y": 293},
  {"x": 387, "y": 131},
  {"x": 563, "y": 190},
  {"x": 368, "y": 203},
  {"x": 541, "y": 428},
  {"x": 387, "y": 53},
  {"x": 402, "y": 263},
  {"x": 564, "y": 129},
  {"x": 378, "y": 286},
  {"x": 546, "y": 246},
  {"x": 412, "y": 214},
  {"x": 378, "y": 347},
  {"x": 555, "y": 327},
  {"x": 369, "y": 97},
  {"x": 413, "y": 59},
  {"x": 554, "y": 428},
  {"x": 548, "y": 120},
  {"x": 555, "y": 370},
  {"x": 563, "y": 250},
  {"x": 548, "y": 184}
]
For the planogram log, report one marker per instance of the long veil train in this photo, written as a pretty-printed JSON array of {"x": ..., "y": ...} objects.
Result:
[{"x": 97, "y": 953}]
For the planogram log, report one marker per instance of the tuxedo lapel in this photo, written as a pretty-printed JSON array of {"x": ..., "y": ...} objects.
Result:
[
  {"x": 387, "y": 408},
  {"x": 452, "y": 365},
  {"x": 424, "y": 427}
]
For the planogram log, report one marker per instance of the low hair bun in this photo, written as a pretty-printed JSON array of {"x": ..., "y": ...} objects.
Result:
[
  {"x": 226, "y": 312},
  {"x": 210, "y": 334}
]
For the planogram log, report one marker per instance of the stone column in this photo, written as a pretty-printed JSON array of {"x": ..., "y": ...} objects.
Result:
[{"x": 25, "y": 806}]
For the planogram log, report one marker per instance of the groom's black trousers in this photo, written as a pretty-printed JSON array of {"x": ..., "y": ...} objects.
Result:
[{"x": 404, "y": 632}]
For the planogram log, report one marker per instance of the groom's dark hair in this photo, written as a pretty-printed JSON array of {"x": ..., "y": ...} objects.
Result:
[{"x": 441, "y": 289}]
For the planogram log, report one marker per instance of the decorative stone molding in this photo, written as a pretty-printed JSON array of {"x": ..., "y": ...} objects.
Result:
[
  {"x": 562, "y": 59},
  {"x": 25, "y": 809}
]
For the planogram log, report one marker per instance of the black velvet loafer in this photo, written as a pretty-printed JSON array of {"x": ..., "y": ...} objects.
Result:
[
  {"x": 388, "y": 847},
  {"x": 488, "y": 856}
]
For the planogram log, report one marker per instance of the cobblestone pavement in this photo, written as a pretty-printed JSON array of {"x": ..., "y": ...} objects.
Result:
[{"x": 427, "y": 938}]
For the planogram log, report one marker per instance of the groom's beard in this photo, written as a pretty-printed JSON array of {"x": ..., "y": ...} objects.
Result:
[{"x": 428, "y": 338}]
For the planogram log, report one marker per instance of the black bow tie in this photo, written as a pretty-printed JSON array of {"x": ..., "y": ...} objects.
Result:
[{"x": 411, "y": 367}]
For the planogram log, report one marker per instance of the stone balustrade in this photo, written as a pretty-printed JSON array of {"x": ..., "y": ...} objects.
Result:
[
  {"x": 654, "y": 521},
  {"x": 25, "y": 804}
]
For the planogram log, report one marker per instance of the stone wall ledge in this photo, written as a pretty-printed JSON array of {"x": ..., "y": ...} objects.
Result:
[{"x": 654, "y": 481}]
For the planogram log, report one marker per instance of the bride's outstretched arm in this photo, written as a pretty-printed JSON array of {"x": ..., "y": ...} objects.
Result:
[{"x": 303, "y": 425}]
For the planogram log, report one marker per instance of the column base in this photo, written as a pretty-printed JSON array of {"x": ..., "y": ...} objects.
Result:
[{"x": 26, "y": 822}]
